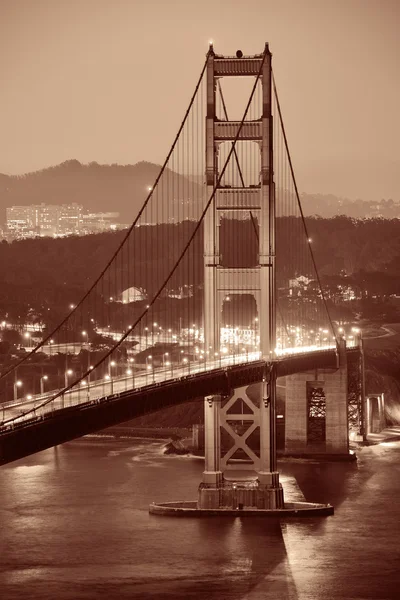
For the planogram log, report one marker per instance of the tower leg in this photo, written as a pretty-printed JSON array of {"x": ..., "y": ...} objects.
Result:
[
  {"x": 270, "y": 491},
  {"x": 210, "y": 488}
]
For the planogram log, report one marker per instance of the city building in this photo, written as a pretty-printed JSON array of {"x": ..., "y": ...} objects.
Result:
[{"x": 56, "y": 221}]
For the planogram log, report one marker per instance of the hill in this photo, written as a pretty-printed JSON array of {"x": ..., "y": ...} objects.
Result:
[
  {"x": 98, "y": 188},
  {"x": 123, "y": 188}
]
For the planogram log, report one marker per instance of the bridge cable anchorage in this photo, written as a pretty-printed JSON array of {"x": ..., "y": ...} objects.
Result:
[
  {"x": 172, "y": 271},
  {"x": 300, "y": 207},
  {"x": 125, "y": 238}
]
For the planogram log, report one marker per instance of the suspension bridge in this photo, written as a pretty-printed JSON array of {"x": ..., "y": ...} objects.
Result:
[{"x": 213, "y": 289}]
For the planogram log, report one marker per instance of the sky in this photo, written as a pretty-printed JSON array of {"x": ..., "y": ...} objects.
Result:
[{"x": 109, "y": 81}]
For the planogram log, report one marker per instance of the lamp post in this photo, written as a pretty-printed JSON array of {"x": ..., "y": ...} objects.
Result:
[
  {"x": 27, "y": 336},
  {"x": 17, "y": 384},
  {"x": 67, "y": 373},
  {"x": 112, "y": 365},
  {"x": 130, "y": 372},
  {"x": 149, "y": 366},
  {"x": 85, "y": 384},
  {"x": 132, "y": 369},
  {"x": 108, "y": 378},
  {"x": 85, "y": 336},
  {"x": 42, "y": 380}
]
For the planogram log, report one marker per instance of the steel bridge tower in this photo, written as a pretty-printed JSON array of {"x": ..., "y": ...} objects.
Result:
[{"x": 252, "y": 482}]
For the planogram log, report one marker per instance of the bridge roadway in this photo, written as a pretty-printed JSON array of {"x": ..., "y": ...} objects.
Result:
[{"x": 32, "y": 425}]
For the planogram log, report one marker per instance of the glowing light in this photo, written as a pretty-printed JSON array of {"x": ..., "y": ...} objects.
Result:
[
  {"x": 29, "y": 397},
  {"x": 107, "y": 377}
]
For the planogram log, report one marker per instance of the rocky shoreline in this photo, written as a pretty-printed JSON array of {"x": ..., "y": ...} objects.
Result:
[{"x": 178, "y": 440}]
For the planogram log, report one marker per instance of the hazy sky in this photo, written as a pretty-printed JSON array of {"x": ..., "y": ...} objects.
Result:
[{"x": 109, "y": 81}]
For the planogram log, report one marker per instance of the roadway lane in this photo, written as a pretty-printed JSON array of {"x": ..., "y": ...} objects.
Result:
[{"x": 41, "y": 405}]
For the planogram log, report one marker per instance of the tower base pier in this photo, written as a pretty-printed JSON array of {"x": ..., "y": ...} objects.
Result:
[
  {"x": 240, "y": 480},
  {"x": 239, "y": 495}
]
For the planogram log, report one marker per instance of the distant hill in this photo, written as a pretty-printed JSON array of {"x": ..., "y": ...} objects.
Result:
[
  {"x": 328, "y": 206},
  {"x": 123, "y": 188}
]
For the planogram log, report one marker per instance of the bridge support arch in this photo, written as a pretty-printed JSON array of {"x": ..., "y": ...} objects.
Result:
[
  {"x": 240, "y": 451},
  {"x": 316, "y": 410}
]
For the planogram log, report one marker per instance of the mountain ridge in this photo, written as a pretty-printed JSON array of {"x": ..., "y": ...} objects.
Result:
[{"x": 123, "y": 188}]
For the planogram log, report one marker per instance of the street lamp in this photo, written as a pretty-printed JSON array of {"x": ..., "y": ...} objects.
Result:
[
  {"x": 17, "y": 384},
  {"x": 131, "y": 372},
  {"x": 67, "y": 373},
  {"x": 27, "y": 336},
  {"x": 109, "y": 378},
  {"x": 42, "y": 380},
  {"x": 111, "y": 365}
]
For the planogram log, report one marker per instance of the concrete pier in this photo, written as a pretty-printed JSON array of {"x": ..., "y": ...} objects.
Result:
[{"x": 316, "y": 411}]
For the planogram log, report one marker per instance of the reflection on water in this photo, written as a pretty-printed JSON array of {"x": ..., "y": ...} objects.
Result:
[{"x": 75, "y": 525}]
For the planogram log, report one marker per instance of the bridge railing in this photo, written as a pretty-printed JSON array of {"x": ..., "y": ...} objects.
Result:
[{"x": 41, "y": 405}]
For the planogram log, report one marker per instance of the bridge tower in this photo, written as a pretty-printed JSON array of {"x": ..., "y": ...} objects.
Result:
[{"x": 240, "y": 475}]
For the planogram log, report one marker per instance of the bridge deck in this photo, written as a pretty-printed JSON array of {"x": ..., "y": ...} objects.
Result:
[{"x": 34, "y": 432}]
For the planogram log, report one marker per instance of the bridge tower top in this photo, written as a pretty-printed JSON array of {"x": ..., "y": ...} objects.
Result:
[{"x": 245, "y": 196}]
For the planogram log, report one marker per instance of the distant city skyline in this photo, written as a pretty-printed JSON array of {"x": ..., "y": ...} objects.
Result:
[{"x": 109, "y": 82}]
